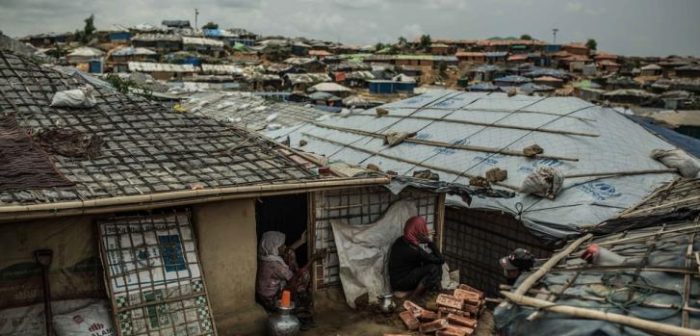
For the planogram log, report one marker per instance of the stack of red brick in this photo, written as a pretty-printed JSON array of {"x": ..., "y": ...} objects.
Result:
[{"x": 456, "y": 314}]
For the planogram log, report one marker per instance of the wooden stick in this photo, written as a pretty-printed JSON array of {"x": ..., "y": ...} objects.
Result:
[
  {"x": 618, "y": 268},
  {"x": 499, "y": 110},
  {"x": 686, "y": 279},
  {"x": 633, "y": 322},
  {"x": 534, "y": 277},
  {"x": 625, "y": 173},
  {"x": 476, "y": 123},
  {"x": 662, "y": 206},
  {"x": 542, "y": 291},
  {"x": 413, "y": 162},
  {"x": 447, "y": 145}
]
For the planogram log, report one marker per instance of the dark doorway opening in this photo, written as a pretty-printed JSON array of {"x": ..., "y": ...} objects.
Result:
[{"x": 287, "y": 214}]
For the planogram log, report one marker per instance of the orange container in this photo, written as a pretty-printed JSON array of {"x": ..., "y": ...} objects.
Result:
[{"x": 286, "y": 299}]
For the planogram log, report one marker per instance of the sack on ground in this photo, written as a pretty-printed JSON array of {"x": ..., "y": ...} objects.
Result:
[
  {"x": 82, "y": 97},
  {"x": 94, "y": 319},
  {"x": 676, "y": 158},
  {"x": 544, "y": 182}
]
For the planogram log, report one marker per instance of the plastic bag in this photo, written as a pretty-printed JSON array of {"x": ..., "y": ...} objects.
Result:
[
  {"x": 82, "y": 97},
  {"x": 676, "y": 158},
  {"x": 544, "y": 182},
  {"x": 94, "y": 319}
]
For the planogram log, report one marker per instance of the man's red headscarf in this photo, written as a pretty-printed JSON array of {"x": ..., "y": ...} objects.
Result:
[{"x": 415, "y": 228}]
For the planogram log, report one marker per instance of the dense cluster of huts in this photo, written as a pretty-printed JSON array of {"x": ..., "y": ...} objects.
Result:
[{"x": 153, "y": 212}]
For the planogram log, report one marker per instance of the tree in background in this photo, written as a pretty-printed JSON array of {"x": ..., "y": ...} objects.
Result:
[
  {"x": 210, "y": 25},
  {"x": 525, "y": 37},
  {"x": 425, "y": 41},
  {"x": 592, "y": 44},
  {"x": 89, "y": 29},
  {"x": 379, "y": 46}
]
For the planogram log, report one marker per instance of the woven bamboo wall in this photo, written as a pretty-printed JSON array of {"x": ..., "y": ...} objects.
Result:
[
  {"x": 359, "y": 206},
  {"x": 474, "y": 241}
]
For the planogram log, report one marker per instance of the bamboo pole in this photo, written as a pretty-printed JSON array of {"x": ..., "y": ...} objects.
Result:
[
  {"x": 476, "y": 123},
  {"x": 212, "y": 193},
  {"x": 413, "y": 162},
  {"x": 541, "y": 291},
  {"x": 624, "y": 173},
  {"x": 553, "y": 261},
  {"x": 692, "y": 227},
  {"x": 600, "y": 315},
  {"x": 448, "y": 145},
  {"x": 534, "y": 277},
  {"x": 662, "y": 206},
  {"x": 501, "y": 111}
]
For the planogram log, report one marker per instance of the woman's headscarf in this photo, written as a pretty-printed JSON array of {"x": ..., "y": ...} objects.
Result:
[
  {"x": 270, "y": 245},
  {"x": 415, "y": 228}
]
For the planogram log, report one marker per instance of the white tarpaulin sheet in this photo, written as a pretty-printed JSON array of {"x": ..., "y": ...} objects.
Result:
[
  {"x": 363, "y": 251},
  {"x": 612, "y": 143}
]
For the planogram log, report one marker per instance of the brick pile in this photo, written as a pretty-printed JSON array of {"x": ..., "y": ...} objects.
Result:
[{"x": 457, "y": 313}]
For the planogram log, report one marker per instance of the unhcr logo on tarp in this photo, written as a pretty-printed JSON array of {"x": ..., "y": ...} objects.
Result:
[{"x": 599, "y": 190}]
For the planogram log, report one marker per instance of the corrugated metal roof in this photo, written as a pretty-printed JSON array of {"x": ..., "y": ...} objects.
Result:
[
  {"x": 227, "y": 69},
  {"x": 202, "y": 41},
  {"x": 308, "y": 78},
  {"x": 157, "y": 37},
  {"x": 160, "y": 67}
]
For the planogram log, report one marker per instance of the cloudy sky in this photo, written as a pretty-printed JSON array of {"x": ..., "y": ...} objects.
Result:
[{"x": 631, "y": 27}]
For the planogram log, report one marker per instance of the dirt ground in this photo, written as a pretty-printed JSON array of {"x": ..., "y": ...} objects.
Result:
[{"x": 334, "y": 318}]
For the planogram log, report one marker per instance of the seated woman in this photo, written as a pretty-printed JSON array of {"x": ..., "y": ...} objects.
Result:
[
  {"x": 276, "y": 273},
  {"x": 415, "y": 263}
]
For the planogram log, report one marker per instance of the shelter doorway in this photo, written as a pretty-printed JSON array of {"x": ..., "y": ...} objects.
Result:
[{"x": 288, "y": 214}]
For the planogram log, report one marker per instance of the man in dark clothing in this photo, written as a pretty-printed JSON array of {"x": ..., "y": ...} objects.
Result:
[{"x": 413, "y": 267}]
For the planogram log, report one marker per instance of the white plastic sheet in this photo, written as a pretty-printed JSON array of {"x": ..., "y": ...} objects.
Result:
[{"x": 363, "y": 251}]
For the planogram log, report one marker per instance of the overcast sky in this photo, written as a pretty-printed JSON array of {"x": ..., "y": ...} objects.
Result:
[{"x": 630, "y": 27}]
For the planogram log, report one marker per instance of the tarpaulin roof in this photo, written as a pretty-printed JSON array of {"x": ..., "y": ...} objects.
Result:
[
  {"x": 131, "y": 51},
  {"x": 329, "y": 87},
  {"x": 227, "y": 69},
  {"x": 648, "y": 271},
  {"x": 463, "y": 134},
  {"x": 249, "y": 110},
  {"x": 86, "y": 52}
]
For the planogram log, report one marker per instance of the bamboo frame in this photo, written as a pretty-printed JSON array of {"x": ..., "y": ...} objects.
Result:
[
  {"x": 662, "y": 206},
  {"x": 651, "y": 196},
  {"x": 476, "y": 123},
  {"x": 177, "y": 198},
  {"x": 599, "y": 315},
  {"x": 542, "y": 291},
  {"x": 480, "y": 149},
  {"x": 547, "y": 266}
]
